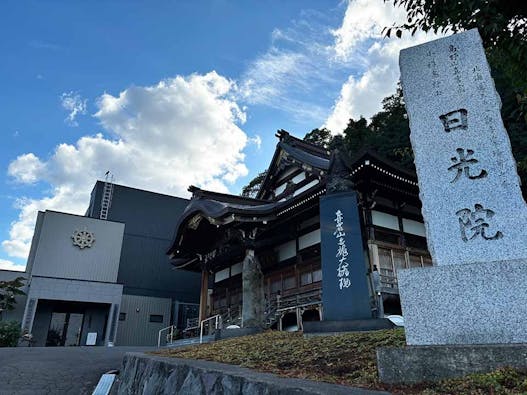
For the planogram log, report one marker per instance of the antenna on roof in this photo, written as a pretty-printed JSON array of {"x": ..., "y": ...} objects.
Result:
[{"x": 107, "y": 193}]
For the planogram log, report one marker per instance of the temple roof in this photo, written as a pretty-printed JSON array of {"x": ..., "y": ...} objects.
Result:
[
  {"x": 222, "y": 209},
  {"x": 211, "y": 217},
  {"x": 292, "y": 149}
]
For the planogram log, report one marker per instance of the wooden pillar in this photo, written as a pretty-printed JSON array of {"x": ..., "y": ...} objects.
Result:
[{"x": 203, "y": 295}]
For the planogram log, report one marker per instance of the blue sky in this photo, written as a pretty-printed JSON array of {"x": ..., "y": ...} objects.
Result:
[{"x": 172, "y": 93}]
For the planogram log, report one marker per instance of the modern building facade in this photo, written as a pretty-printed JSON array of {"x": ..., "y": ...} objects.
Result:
[
  {"x": 103, "y": 278},
  {"x": 154, "y": 294}
]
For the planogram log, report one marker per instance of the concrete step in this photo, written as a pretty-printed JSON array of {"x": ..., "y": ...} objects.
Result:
[{"x": 190, "y": 341}]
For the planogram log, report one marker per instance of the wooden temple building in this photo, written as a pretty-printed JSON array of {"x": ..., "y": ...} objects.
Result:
[{"x": 218, "y": 234}]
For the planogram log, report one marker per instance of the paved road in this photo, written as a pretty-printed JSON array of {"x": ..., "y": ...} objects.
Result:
[{"x": 57, "y": 370}]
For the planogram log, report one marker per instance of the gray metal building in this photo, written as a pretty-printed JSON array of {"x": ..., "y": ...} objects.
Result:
[{"x": 104, "y": 277}]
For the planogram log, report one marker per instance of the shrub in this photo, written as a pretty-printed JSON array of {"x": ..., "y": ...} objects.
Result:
[{"x": 9, "y": 333}]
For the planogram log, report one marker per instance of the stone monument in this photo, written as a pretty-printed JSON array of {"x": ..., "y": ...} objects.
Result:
[
  {"x": 346, "y": 294},
  {"x": 475, "y": 218}
]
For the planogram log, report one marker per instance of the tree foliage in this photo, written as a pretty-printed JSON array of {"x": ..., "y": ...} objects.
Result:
[
  {"x": 502, "y": 25},
  {"x": 252, "y": 188},
  {"x": 8, "y": 291},
  {"x": 321, "y": 137},
  {"x": 9, "y": 333},
  {"x": 388, "y": 132}
]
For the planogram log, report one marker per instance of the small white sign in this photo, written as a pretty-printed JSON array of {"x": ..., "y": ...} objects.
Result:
[{"x": 91, "y": 339}]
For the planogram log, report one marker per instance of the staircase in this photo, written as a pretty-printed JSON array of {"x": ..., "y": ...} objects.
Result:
[
  {"x": 232, "y": 316},
  {"x": 190, "y": 341},
  {"x": 272, "y": 315}
]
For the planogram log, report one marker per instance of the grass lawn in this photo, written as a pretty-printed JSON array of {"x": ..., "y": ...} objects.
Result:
[{"x": 347, "y": 359}]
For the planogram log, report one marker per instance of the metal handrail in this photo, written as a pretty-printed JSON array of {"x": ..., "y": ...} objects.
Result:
[
  {"x": 192, "y": 323},
  {"x": 169, "y": 335},
  {"x": 217, "y": 323}
]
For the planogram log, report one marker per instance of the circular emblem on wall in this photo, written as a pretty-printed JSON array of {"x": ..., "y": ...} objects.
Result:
[{"x": 83, "y": 238}]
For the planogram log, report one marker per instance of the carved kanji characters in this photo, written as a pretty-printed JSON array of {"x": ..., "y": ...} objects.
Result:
[
  {"x": 473, "y": 223},
  {"x": 462, "y": 164}
]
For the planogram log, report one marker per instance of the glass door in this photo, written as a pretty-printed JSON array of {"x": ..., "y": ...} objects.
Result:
[
  {"x": 74, "y": 329},
  {"x": 65, "y": 329}
]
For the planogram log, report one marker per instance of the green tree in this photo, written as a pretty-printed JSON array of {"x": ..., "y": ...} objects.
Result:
[
  {"x": 321, "y": 137},
  {"x": 9, "y": 333},
  {"x": 337, "y": 142},
  {"x": 8, "y": 291},
  {"x": 357, "y": 135},
  {"x": 388, "y": 132},
  {"x": 502, "y": 25},
  {"x": 252, "y": 188},
  {"x": 391, "y": 131}
]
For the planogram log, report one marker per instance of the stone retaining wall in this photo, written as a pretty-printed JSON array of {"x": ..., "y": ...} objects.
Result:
[{"x": 148, "y": 375}]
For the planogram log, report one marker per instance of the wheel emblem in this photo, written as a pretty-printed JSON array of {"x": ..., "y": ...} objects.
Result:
[{"x": 83, "y": 238}]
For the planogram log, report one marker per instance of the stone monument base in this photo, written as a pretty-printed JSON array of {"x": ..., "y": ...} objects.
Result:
[
  {"x": 480, "y": 303},
  {"x": 225, "y": 333},
  {"x": 333, "y": 327},
  {"x": 414, "y": 364}
]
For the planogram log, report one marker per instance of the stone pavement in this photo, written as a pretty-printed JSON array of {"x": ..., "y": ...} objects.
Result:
[{"x": 57, "y": 370}]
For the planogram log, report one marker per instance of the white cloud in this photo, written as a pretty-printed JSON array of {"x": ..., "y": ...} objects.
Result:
[
  {"x": 26, "y": 168},
  {"x": 75, "y": 104},
  {"x": 256, "y": 140},
  {"x": 270, "y": 75},
  {"x": 360, "y": 37},
  {"x": 364, "y": 20},
  {"x": 165, "y": 137},
  {"x": 8, "y": 265},
  {"x": 294, "y": 73},
  {"x": 308, "y": 62}
]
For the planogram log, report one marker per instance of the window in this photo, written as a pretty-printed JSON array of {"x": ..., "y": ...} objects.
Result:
[
  {"x": 385, "y": 220},
  {"x": 221, "y": 275},
  {"x": 223, "y": 302},
  {"x": 317, "y": 275},
  {"x": 289, "y": 282},
  {"x": 156, "y": 318},
  {"x": 235, "y": 298},
  {"x": 275, "y": 285},
  {"x": 306, "y": 278},
  {"x": 122, "y": 316},
  {"x": 415, "y": 241},
  {"x": 427, "y": 261},
  {"x": 236, "y": 269},
  {"x": 415, "y": 260},
  {"x": 387, "y": 237}
]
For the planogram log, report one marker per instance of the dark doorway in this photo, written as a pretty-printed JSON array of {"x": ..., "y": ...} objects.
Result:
[
  {"x": 392, "y": 304},
  {"x": 311, "y": 315},
  {"x": 289, "y": 322},
  {"x": 65, "y": 329}
]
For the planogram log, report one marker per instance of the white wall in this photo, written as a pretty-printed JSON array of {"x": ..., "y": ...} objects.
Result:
[{"x": 56, "y": 256}]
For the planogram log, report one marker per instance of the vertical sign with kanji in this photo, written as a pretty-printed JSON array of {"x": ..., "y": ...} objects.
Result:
[
  {"x": 469, "y": 186},
  {"x": 345, "y": 292}
]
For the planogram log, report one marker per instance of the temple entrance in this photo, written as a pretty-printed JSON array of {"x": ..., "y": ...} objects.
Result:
[{"x": 65, "y": 329}]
